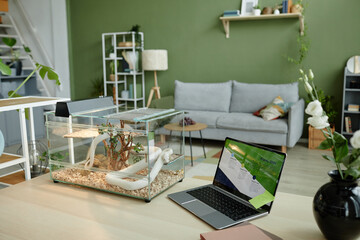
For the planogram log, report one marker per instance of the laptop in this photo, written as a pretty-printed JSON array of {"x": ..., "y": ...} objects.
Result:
[{"x": 243, "y": 189}]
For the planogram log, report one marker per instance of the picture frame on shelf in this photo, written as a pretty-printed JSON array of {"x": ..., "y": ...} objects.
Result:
[{"x": 247, "y": 7}]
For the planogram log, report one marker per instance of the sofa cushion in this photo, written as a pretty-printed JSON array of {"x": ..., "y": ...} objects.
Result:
[
  {"x": 203, "y": 96},
  {"x": 208, "y": 117},
  {"x": 247, "y": 121},
  {"x": 278, "y": 108},
  {"x": 249, "y": 97}
]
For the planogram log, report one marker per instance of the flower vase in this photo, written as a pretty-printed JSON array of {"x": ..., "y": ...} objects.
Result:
[{"x": 336, "y": 208}]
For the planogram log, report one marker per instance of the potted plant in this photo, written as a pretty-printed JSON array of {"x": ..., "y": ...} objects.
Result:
[
  {"x": 112, "y": 70},
  {"x": 257, "y": 10},
  {"x": 41, "y": 69},
  {"x": 15, "y": 54},
  {"x": 137, "y": 39},
  {"x": 336, "y": 204},
  {"x": 297, "y": 8}
]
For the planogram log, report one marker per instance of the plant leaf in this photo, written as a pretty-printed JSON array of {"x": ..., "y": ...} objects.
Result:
[
  {"x": 346, "y": 161},
  {"x": 355, "y": 163},
  {"x": 341, "y": 147},
  {"x": 4, "y": 68},
  {"x": 51, "y": 74},
  {"x": 9, "y": 41},
  {"x": 27, "y": 49},
  {"x": 355, "y": 173},
  {"x": 328, "y": 158},
  {"x": 326, "y": 144}
]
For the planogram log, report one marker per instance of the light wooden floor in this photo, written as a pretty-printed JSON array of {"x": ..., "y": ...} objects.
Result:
[{"x": 304, "y": 171}]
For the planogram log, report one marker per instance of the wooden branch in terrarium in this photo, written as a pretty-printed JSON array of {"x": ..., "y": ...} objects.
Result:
[{"x": 124, "y": 175}]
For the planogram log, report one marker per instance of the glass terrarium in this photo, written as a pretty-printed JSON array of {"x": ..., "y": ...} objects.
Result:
[{"x": 122, "y": 152}]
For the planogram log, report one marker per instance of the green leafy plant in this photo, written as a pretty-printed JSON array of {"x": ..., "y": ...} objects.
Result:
[
  {"x": 42, "y": 69},
  {"x": 302, "y": 40},
  {"x": 109, "y": 50},
  {"x": 333, "y": 140},
  {"x": 98, "y": 87},
  {"x": 257, "y": 7},
  {"x": 57, "y": 156},
  {"x": 136, "y": 29},
  {"x": 10, "y": 42}
]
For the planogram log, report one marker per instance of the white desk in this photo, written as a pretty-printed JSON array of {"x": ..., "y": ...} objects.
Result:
[
  {"x": 21, "y": 103},
  {"x": 40, "y": 209}
]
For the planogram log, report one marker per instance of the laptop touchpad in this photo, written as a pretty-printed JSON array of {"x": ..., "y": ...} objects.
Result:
[{"x": 198, "y": 207}]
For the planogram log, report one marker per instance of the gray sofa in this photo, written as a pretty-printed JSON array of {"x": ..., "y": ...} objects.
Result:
[{"x": 227, "y": 108}]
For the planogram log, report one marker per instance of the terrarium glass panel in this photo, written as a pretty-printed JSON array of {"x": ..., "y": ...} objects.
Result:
[{"x": 123, "y": 152}]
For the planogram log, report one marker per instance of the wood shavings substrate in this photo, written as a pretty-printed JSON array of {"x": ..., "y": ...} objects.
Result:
[{"x": 93, "y": 179}]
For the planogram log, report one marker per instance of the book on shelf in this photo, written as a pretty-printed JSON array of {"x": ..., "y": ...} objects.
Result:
[
  {"x": 353, "y": 108},
  {"x": 232, "y": 12},
  {"x": 348, "y": 127},
  {"x": 289, "y": 4},
  {"x": 285, "y": 6},
  {"x": 231, "y": 15}
]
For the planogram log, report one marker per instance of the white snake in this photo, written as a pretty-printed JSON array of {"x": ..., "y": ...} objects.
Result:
[{"x": 117, "y": 177}]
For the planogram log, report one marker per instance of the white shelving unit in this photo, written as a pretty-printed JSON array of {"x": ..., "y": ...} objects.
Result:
[{"x": 123, "y": 79}]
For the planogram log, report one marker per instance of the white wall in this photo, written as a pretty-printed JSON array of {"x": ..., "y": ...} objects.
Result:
[{"x": 43, "y": 25}]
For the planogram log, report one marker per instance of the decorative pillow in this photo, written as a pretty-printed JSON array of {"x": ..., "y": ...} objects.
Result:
[
  {"x": 278, "y": 108},
  {"x": 257, "y": 113}
]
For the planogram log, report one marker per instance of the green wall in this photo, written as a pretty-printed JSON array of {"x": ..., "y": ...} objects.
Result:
[{"x": 199, "y": 52}]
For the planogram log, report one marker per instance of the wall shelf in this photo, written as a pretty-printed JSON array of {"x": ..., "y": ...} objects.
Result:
[{"x": 226, "y": 20}]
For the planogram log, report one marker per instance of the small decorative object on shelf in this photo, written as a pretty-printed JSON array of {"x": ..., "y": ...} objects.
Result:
[
  {"x": 353, "y": 64},
  {"x": 257, "y": 10},
  {"x": 296, "y": 8},
  {"x": 267, "y": 10},
  {"x": 348, "y": 127},
  {"x": 336, "y": 204},
  {"x": 353, "y": 108},
  {"x": 186, "y": 121},
  {"x": 247, "y": 7}
]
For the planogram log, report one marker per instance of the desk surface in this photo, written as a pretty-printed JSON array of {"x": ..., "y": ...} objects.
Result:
[
  {"x": 29, "y": 101},
  {"x": 40, "y": 209}
]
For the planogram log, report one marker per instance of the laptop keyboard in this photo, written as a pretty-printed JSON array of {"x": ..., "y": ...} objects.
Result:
[{"x": 222, "y": 203}]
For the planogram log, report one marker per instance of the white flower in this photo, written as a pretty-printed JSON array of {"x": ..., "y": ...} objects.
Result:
[
  {"x": 314, "y": 108},
  {"x": 301, "y": 71},
  {"x": 311, "y": 74},
  {"x": 319, "y": 122},
  {"x": 308, "y": 87},
  {"x": 355, "y": 140},
  {"x": 306, "y": 78}
]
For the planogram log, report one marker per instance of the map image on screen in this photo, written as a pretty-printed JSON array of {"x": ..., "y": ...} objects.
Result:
[{"x": 250, "y": 170}]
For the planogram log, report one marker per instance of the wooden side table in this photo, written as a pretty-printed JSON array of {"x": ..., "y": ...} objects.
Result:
[{"x": 189, "y": 128}]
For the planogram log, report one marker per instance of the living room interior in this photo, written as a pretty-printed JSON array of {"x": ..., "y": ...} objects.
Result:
[{"x": 218, "y": 74}]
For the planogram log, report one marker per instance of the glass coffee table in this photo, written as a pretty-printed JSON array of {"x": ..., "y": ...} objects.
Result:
[{"x": 189, "y": 128}]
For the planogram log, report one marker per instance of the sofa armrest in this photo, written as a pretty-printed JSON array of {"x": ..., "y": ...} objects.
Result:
[{"x": 295, "y": 122}]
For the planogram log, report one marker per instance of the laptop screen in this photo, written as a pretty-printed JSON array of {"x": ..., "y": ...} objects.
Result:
[{"x": 247, "y": 170}]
